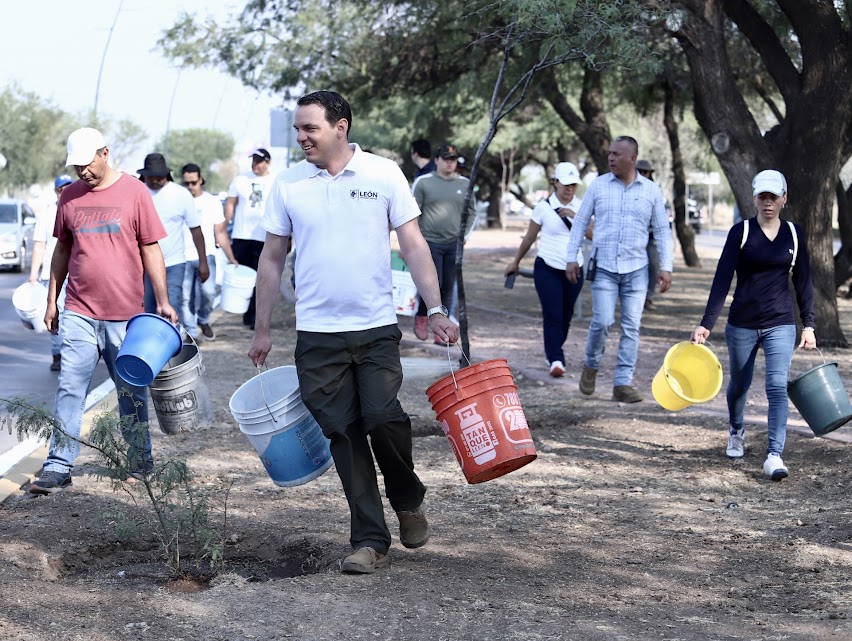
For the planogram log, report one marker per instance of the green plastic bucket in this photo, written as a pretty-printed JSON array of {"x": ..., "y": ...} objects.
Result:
[{"x": 821, "y": 399}]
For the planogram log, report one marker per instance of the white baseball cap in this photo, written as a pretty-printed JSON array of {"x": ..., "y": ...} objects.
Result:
[
  {"x": 567, "y": 173},
  {"x": 83, "y": 144},
  {"x": 770, "y": 181}
]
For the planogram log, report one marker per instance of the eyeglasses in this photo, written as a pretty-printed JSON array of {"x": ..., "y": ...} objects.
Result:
[{"x": 190, "y": 183}]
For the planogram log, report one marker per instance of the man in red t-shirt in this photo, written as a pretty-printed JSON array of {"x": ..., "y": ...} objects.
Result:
[{"x": 107, "y": 231}]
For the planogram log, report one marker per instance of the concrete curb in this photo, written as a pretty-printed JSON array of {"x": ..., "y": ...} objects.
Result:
[{"x": 22, "y": 463}]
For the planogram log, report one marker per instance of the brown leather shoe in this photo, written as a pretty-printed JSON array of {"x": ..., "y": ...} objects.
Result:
[
  {"x": 626, "y": 394},
  {"x": 364, "y": 561},
  {"x": 587, "y": 380},
  {"x": 414, "y": 530}
]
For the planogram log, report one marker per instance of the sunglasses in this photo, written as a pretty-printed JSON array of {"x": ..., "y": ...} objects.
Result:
[{"x": 190, "y": 183}]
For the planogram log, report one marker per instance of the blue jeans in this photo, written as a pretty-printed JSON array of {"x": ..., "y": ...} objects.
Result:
[
  {"x": 56, "y": 339},
  {"x": 607, "y": 289},
  {"x": 84, "y": 341},
  {"x": 174, "y": 283},
  {"x": 778, "y": 344},
  {"x": 198, "y": 297},
  {"x": 557, "y": 295}
]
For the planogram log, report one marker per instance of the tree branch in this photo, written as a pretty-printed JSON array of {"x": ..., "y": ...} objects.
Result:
[{"x": 769, "y": 48}]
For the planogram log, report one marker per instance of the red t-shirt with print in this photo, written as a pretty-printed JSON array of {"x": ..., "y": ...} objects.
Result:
[{"x": 105, "y": 229}]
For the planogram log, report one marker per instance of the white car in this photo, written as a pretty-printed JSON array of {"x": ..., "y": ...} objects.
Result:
[{"x": 17, "y": 222}]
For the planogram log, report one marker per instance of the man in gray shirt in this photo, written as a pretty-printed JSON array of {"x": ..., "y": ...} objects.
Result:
[{"x": 440, "y": 196}]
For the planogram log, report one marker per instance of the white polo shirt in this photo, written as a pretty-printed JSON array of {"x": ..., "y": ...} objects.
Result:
[
  {"x": 176, "y": 209},
  {"x": 341, "y": 225},
  {"x": 554, "y": 236}
]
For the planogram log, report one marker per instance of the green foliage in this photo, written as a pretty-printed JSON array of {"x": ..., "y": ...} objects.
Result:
[
  {"x": 32, "y": 137},
  {"x": 207, "y": 148},
  {"x": 173, "y": 506}
]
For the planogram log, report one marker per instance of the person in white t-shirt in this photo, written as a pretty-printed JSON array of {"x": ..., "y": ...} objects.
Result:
[
  {"x": 339, "y": 205},
  {"x": 43, "y": 245},
  {"x": 244, "y": 206},
  {"x": 552, "y": 217},
  {"x": 198, "y": 296},
  {"x": 176, "y": 209}
]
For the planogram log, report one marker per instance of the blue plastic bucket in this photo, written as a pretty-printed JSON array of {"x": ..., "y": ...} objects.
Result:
[
  {"x": 282, "y": 431},
  {"x": 150, "y": 342}
]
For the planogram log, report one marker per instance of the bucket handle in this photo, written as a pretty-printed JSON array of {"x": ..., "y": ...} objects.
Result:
[
  {"x": 263, "y": 390},
  {"x": 821, "y": 355},
  {"x": 686, "y": 343},
  {"x": 450, "y": 360}
]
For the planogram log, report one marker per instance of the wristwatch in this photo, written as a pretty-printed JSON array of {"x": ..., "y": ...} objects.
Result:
[{"x": 440, "y": 309}]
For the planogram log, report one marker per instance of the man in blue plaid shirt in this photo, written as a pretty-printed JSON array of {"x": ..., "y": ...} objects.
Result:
[{"x": 625, "y": 205}]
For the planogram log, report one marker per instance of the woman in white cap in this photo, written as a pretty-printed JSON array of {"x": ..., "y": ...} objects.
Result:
[
  {"x": 763, "y": 252},
  {"x": 552, "y": 217}
]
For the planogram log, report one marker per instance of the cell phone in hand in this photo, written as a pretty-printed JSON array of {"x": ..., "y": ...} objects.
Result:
[{"x": 510, "y": 280}]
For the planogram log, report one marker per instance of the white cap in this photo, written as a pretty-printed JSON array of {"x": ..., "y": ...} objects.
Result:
[
  {"x": 567, "y": 173},
  {"x": 770, "y": 181},
  {"x": 82, "y": 146}
]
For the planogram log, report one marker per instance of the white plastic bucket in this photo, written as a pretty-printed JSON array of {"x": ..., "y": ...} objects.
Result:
[
  {"x": 237, "y": 287},
  {"x": 179, "y": 393},
  {"x": 30, "y": 301},
  {"x": 287, "y": 439},
  {"x": 404, "y": 293}
]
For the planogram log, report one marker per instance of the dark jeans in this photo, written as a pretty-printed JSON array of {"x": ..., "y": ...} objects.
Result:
[
  {"x": 557, "y": 295},
  {"x": 349, "y": 381},
  {"x": 444, "y": 257},
  {"x": 247, "y": 252}
]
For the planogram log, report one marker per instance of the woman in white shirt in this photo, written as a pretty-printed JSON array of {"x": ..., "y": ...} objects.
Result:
[{"x": 552, "y": 218}]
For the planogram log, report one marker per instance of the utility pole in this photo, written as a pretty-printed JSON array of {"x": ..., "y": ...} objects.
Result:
[{"x": 103, "y": 58}]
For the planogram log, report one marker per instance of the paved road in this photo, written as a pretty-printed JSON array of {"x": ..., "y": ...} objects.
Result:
[{"x": 25, "y": 358}]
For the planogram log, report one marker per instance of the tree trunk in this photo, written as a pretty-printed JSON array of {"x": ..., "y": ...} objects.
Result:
[
  {"x": 592, "y": 128},
  {"x": 811, "y": 136},
  {"x": 685, "y": 233},
  {"x": 843, "y": 258}
]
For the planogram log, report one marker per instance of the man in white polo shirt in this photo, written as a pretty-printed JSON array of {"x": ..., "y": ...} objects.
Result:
[
  {"x": 176, "y": 209},
  {"x": 339, "y": 205}
]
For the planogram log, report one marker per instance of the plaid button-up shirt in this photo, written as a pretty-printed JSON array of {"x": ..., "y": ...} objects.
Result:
[{"x": 623, "y": 218}]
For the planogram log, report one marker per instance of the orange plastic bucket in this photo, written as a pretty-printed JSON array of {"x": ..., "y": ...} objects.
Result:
[
  {"x": 446, "y": 397},
  {"x": 481, "y": 415}
]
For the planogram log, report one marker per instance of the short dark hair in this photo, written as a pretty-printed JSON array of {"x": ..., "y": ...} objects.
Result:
[
  {"x": 335, "y": 106},
  {"x": 631, "y": 141},
  {"x": 422, "y": 148},
  {"x": 191, "y": 168}
]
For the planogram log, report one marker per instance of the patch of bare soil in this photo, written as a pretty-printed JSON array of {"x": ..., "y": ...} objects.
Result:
[{"x": 631, "y": 524}]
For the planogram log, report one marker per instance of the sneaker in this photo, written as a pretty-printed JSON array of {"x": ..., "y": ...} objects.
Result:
[
  {"x": 56, "y": 365},
  {"x": 421, "y": 327},
  {"x": 364, "y": 561},
  {"x": 557, "y": 369},
  {"x": 414, "y": 530},
  {"x": 774, "y": 467},
  {"x": 51, "y": 481},
  {"x": 587, "y": 380},
  {"x": 736, "y": 444},
  {"x": 207, "y": 331},
  {"x": 626, "y": 394}
]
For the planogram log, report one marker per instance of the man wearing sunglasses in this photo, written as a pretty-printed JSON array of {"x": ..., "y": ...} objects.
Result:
[{"x": 198, "y": 294}]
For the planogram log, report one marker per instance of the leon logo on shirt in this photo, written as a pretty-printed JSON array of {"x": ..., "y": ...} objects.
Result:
[{"x": 357, "y": 194}]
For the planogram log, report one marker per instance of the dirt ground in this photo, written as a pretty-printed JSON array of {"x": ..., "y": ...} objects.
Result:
[{"x": 631, "y": 524}]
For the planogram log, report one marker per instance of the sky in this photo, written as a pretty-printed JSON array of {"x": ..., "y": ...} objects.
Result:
[{"x": 54, "y": 48}]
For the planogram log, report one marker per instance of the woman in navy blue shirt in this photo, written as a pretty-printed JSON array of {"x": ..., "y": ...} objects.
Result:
[{"x": 763, "y": 252}]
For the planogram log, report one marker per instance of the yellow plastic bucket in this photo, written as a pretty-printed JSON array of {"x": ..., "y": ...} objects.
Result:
[{"x": 690, "y": 374}]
